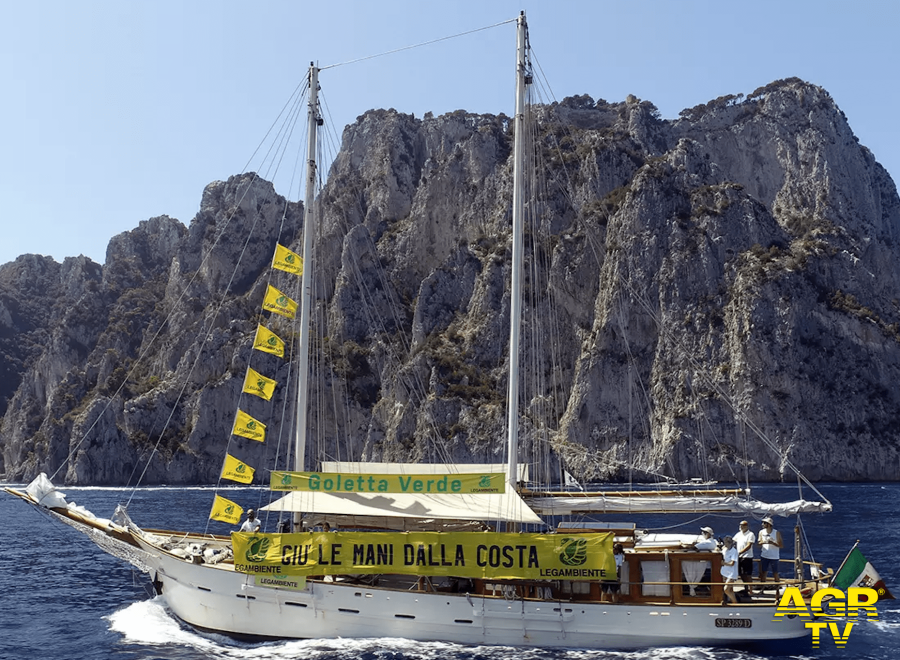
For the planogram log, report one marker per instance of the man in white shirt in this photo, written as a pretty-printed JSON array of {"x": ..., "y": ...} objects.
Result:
[
  {"x": 252, "y": 523},
  {"x": 744, "y": 541},
  {"x": 706, "y": 543},
  {"x": 770, "y": 550}
]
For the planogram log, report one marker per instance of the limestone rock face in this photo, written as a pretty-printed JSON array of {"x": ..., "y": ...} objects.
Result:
[
  {"x": 713, "y": 296},
  {"x": 98, "y": 357}
]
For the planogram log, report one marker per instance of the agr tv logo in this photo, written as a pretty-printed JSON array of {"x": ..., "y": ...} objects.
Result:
[{"x": 830, "y": 603}]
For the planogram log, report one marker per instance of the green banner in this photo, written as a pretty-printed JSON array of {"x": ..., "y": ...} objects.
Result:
[
  {"x": 486, "y": 555},
  {"x": 337, "y": 482}
]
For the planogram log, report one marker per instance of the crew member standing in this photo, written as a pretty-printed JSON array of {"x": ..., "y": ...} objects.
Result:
[
  {"x": 744, "y": 541},
  {"x": 770, "y": 552}
]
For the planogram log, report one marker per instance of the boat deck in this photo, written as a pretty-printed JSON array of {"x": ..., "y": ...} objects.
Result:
[{"x": 216, "y": 551}]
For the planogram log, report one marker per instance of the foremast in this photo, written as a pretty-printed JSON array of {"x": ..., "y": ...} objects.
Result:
[
  {"x": 515, "y": 315},
  {"x": 313, "y": 122}
]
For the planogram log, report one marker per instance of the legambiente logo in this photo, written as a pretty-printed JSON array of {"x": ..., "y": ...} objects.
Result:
[
  {"x": 832, "y": 604},
  {"x": 256, "y": 551},
  {"x": 574, "y": 552}
]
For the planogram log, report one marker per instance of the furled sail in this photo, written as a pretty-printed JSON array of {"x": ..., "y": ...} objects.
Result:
[{"x": 686, "y": 503}]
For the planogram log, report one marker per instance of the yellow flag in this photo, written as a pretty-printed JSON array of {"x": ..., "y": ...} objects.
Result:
[
  {"x": 226, "y": 511},
  {"x": 279, "y": 303},
  {"x": 286, "y": 260},
  {"x": 237, "y": 470},
  {"x": 256, "y": 383},
  {"x": 268, "y": 341},
  {"x": 247, "y": 427}
]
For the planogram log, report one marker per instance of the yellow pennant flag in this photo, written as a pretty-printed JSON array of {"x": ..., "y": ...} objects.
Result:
[
  {"x": 247, "y": 427},
  {"x": 226, "y": 511},
  {"x": 268, "y": 342},
  {"x": 286, "y": 260},
  {"x": 256, "y": 383},
  {"x": 277, "y": 302},
  {"x": 237, "y": 470}
]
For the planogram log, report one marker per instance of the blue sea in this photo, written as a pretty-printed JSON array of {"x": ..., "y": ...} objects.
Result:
[{"x": 64, "y": 598}]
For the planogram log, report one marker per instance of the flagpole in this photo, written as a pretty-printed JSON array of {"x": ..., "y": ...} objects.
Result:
[{"x": 831, "y": 582}]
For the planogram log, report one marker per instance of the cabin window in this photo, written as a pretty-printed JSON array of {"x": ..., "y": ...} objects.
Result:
[
  {"x": 655, "y": 571},
  {"x": 695, "y": 573}
]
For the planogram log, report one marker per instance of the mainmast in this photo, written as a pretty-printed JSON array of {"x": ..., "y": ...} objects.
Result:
[
  {"x": 515, "y": 316},
  {"x": 314, "y": 120}
]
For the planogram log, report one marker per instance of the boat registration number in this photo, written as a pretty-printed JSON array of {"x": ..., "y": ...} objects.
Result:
[{"x": 734, "y": 623}]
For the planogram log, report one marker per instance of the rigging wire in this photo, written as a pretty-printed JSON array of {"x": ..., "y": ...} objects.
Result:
[
  {"x": 369, "y": 291},
  {"x": 424, "y": 43},
  {"x": 545, "y": 399},
  {"x": 718, "y": 389},
  {"x": 274, "y": 157},
  {"x": 283, "y": 445},
  {"x": 150, "y": 345},
  {"x": 282, "y": 137},
  {"x": 341, "y": 396},
  {"x": 538, "y": 335},
  {"x": 665, "y": 333},
  {"x": 662, "y": 330}
]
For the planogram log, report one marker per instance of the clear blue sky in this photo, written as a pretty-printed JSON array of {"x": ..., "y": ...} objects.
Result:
[{"x": 113, "y": 112}]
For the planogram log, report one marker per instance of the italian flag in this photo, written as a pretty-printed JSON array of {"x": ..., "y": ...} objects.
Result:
[{"x": 856, "y": 571}]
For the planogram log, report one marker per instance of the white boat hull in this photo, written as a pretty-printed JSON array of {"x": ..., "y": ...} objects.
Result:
[{"x": 217, "y": 598}]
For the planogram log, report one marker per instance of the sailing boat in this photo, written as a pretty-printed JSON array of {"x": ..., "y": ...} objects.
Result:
[{"x": 419, "y": 553}]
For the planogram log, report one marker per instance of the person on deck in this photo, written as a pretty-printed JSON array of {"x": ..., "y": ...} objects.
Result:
[
  {"x": 706, "y": 543},
  {"x": 744, "y": 541},
  {"x": 252, "y": 523},
  {"x": 729, "y": 568},
  {"x": 770, "y": 543},
  {"x": 612, "y": 587}
]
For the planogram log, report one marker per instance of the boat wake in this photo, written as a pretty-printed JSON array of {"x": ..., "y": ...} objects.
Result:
[{"x": 149, "y": 623}]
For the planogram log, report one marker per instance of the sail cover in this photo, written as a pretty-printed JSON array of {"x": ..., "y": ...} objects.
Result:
[
  {"x": 357, "y": 467},
  {"x": 508, "y": 506},
  {"x": 561, "y": 506}
]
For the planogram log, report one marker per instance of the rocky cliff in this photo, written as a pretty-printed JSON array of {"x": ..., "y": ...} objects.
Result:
[{"x": 711, "y": 296}]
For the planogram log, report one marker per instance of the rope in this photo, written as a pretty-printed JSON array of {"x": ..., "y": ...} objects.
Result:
[{"x": 424, "y": 43}]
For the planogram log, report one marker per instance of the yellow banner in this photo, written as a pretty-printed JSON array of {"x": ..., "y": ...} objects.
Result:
[
  {"x": 237, "y": 470},
  {"x": 335, "y": 482},
  {"x": 484, "y": 555},
  {"x": 277, "y": 302},
  {"x": 226, "y": 511},
  {"x": 284, "y": 259},
  {"x": 268, "y": 342},
  {"x": 248, "y": 427},
  {"x": 256, "y": 383}
]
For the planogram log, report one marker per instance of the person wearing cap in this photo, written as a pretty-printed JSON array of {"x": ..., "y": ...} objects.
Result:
[
  {"x": 729, "y": 568},
  {"x": 770, "y": 550},
  {"x": 706, "y": 543},
  {"x": 252, "y": 523},
  {"x": 612, "y": 586},
  {"x": 744, "y": 541}
]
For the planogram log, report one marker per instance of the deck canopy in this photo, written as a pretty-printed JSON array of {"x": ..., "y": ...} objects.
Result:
[{"x": 508, "y": 506}]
